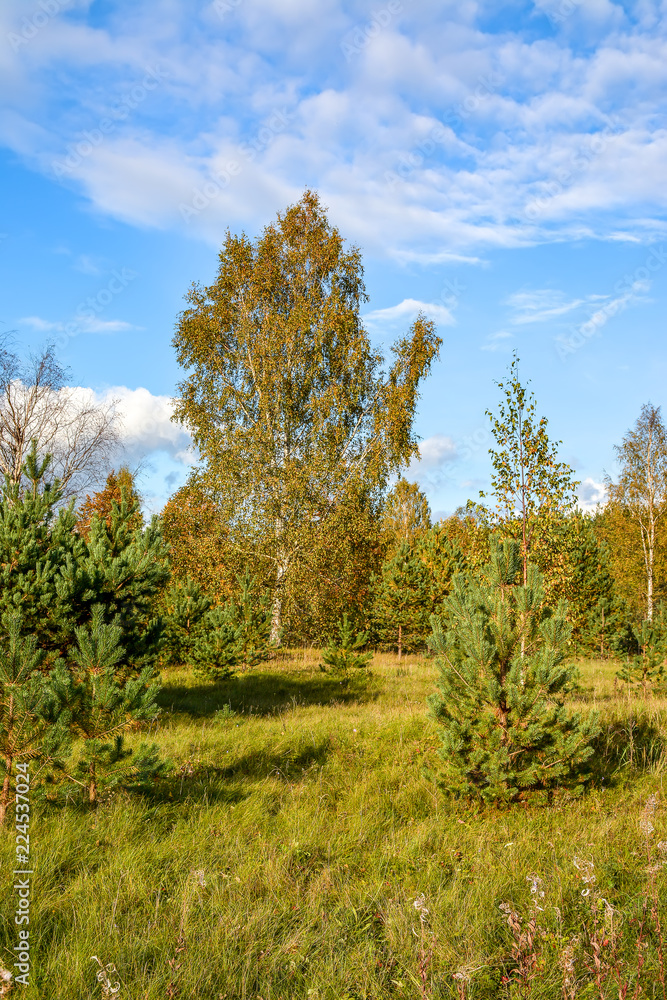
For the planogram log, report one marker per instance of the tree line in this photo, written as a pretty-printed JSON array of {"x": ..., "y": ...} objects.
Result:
[{"x": 298, "y": 526}]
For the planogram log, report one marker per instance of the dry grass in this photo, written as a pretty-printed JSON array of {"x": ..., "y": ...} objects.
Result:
[{"x": 285, "y": 856}]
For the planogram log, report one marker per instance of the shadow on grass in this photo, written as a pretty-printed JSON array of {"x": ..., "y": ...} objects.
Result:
[
  {"x": 261, "y": 694},
  {"x": 262, "y": 763},
  {"x": 218, "y": 784},
  {"x": 627, "y": 745}
]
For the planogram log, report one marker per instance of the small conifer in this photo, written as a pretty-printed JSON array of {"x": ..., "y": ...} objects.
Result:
[
  {"x": 218, "y": 646},
  {"x": 402, "y": 601},
  {"x": 27, "y": 735},
  {"x": 506, "y": 731},
  {"x": 647, "y": 665},
  {"x": 344, "y": 656},
  {"x": 87, "y": 696}
]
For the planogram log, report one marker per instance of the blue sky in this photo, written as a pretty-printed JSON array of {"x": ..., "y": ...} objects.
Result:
[{"x": 501, "y": 166}]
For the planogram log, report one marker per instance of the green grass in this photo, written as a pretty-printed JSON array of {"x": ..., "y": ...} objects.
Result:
[{"x": 284, "y": 856}]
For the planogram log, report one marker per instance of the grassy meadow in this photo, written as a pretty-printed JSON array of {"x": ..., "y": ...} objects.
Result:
[{"x": 284, "y": 856}]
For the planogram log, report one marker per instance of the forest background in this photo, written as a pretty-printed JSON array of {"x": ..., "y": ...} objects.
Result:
[{"x": 298, "y": 559}]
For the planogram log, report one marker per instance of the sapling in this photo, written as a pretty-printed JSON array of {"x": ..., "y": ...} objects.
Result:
[
  {"x": 251, "y": 613},
  {"x": 26, "y": 733},
  {"x": 648, "y": 665},
  {"x": 401, "y": 603},
  {"x": 218, "y": 647},
  {"x": 99, "y": 709},
  {"x": 184, "y": 606},
  {"x": 505, "y": 729},
  {"x": 345, "y": 655}
]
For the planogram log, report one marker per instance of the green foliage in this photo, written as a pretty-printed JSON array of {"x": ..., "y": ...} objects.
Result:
[
  {"x": 344, "y": 656},
  {"x": 442, "y": 558},
  {"x": 87, "y": 696},
  {"x": 26, "y": 734},
  {"x": 119, "y": 486},
  {"x": 599, "y": 618},
  {"x": 216, "y": 639},
  {"x": 401, "y": 606},
  {"x": 53, "y": 577},
  {"x": 285, "y": 397},
  {"x": 532, "y": 489},
  {"x": 251, "y": 614},
  {"x": 218, "y": 645},
  {"x": 184, "y": 604},
  {"x": 124, "y": 570},
  {"x": 502, "y": 685},
  {"x": 647, "y": 665},
  {"x": 38, "y": 549}
]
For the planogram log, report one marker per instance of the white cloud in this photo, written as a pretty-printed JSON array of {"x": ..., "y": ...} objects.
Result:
[
  {"x": 500, "y": 341},
  {"x": 80, "y": 325},
  {"x": 539, "y": 305},
  {"x": 591, "y": 493},
  {"x": 433, "y": 467},
  {"x": 147, "y": 425},
  {"x": 536, "y": 138},
  {"x": 436, "y": 450},
  {"x": 408, "y": 309},
  {"x": 149, "y": 441}
]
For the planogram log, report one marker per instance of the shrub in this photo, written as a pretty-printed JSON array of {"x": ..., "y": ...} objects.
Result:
[
  {"x": 506, "y": 731},
  {"x": 344, "y": 656}
]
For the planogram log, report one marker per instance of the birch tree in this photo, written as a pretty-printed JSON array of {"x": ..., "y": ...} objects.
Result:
[
  {"x": 285, "y": 398},
  {"x": 642, "y": 487},
  {"x": 66, "y": 422},
  {"x": 531, "y": 487}
]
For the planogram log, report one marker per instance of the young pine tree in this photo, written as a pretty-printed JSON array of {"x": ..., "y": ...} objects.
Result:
[
  {"x": 53, "y": 576},
  {"x": 37, "y": 545},
  {"x": 251, "y": 613},
  {"x": 27, "y": 735},
  {"x": 218, "y": 644},
  {"x": 402, "y": 601},
  {"x": 506, "y": 731},
  {"x": 594, "y": 610},
  {"x": 87, "y": 696},
  {"x": 443, "y": 558},
  {"x": 119, "y": 485},
  {"x": 647, "y": 665},
  {"x": 125, "y": 569},
  {"x": 184, "y": 605},
  {"x": 345, "y": 655}
]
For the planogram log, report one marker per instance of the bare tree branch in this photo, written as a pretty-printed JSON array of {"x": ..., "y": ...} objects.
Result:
[{"x": 36, "y": 404}]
